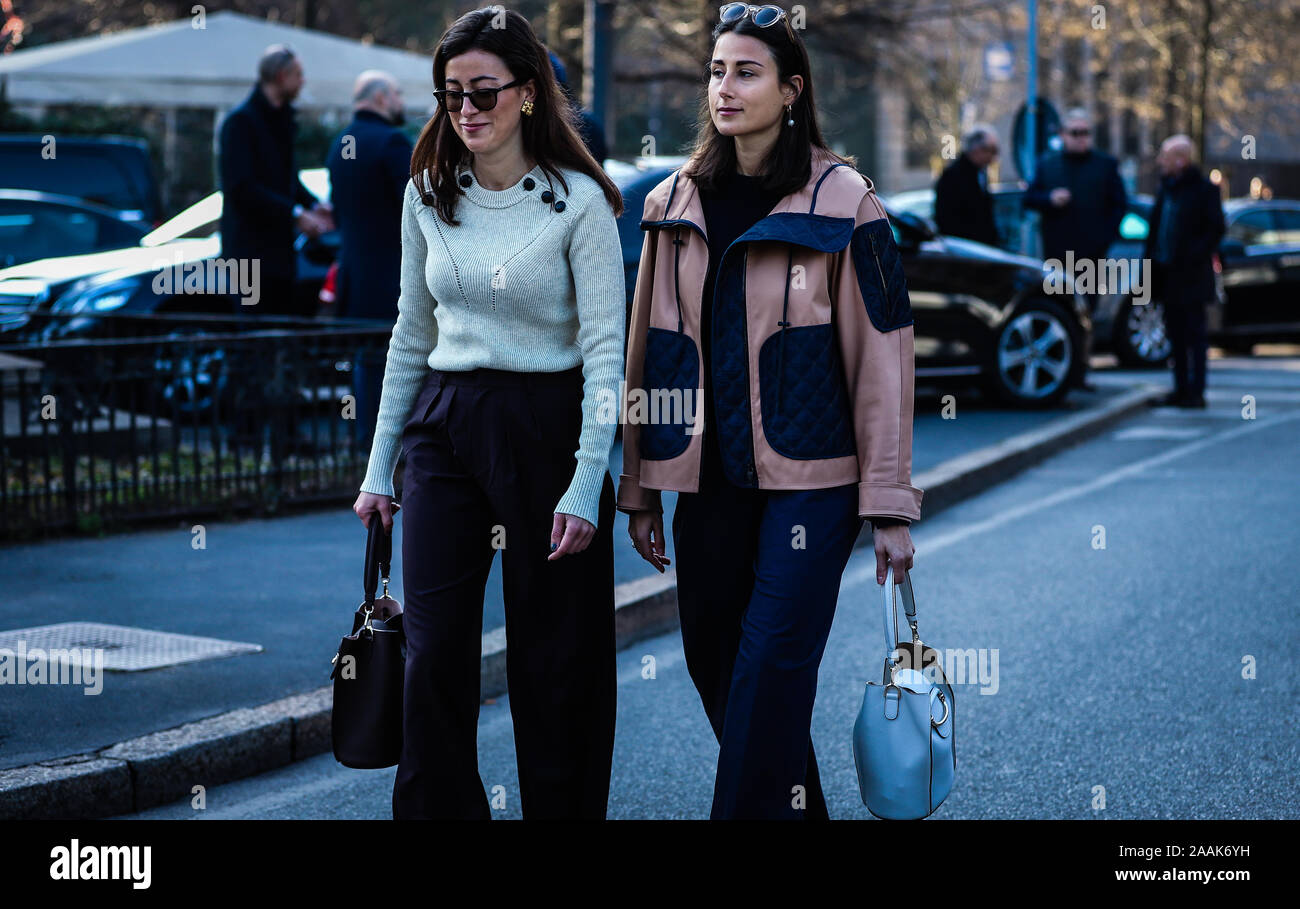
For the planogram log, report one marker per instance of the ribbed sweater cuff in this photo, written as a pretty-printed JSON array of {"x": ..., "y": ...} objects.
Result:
[
  {"x": 583, "y": 496},
  {"x": 379, "y": 469}
]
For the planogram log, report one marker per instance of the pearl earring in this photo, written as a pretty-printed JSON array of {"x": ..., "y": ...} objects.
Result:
[{"x": 789, "y": 112}]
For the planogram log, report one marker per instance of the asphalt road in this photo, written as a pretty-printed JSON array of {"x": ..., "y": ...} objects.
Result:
[
  {"x": 1114, "y": 669},
  {"x": 288, "y": 584}
]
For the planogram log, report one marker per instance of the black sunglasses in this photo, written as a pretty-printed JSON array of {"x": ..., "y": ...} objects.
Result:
[
  {"x": 763, "y": 16},
  {"x": 1079, "y": 133},
  {"x": 483, "y": 98}
]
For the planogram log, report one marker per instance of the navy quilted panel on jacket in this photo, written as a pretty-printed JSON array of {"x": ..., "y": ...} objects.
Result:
[
  {"x": 729, "y": 348},
  {"x": 671, "y": 364},
  {"x": 880, "y": 275},
  {"x": 812, "y": 418}
]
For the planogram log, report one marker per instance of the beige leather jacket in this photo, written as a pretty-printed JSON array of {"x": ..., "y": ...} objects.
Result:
[{"x": 811, "y": 348}]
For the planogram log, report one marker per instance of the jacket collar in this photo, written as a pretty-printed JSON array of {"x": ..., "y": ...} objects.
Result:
[
  {"x": 1189, "y": 174},
  {"x": 371, "y": 115},
  {"x": 792, "y": 220},
  {"x": 259, "y": 100}
]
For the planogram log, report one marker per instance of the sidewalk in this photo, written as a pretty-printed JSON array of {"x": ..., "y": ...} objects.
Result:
[{"x": 289, "y": 585}]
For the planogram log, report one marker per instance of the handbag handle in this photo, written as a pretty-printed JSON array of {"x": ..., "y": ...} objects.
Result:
[
  {"x": 379, "y": 556},
  {"x": 889, "y": 598}
]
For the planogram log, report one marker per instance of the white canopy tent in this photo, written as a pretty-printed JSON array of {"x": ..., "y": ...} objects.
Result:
[{"x": 204, "y": 63}]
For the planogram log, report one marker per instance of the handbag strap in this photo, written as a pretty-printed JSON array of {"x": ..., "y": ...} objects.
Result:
[
  {"x": 379, "y": 556},
  {"x": 889, "y": 598}
]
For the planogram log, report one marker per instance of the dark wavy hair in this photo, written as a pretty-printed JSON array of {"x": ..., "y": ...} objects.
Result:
[
  {"x": 550, "y": 135},
  {"x": 788, "y": 166}
]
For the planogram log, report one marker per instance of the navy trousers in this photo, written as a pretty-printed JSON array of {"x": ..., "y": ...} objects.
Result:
[
  {"x": 758, "y": 576},
  {"x": 1185, "y": 325},
  {"x": 488, "y": 455}
]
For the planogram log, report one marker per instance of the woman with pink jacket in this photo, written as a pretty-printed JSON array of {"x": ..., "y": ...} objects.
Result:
[{"x": 769, "y": 382}]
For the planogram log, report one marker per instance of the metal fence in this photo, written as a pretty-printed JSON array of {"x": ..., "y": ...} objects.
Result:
[{"x": 157, "y": 417}]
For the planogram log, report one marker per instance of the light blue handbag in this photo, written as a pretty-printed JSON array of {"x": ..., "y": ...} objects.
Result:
[{"x": 903, "y": 743}]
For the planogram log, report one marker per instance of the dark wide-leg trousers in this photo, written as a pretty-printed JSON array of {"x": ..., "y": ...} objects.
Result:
[
  {"x": 488, "y": 455},
  {"x": 1185, "y": 323},
  {"x": 758, "y": 576}
]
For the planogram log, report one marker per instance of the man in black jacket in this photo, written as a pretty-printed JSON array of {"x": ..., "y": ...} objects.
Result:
[
  {"x": 1079, "y": 193},
  {"x": 265, "y": 204},
  {"x": 1186, "y": 226},
  {"x": 963, "y": 206},
  {"x": 370, "y": 165},
  {"x": 1081, "y": 200},
  {"x": 590, "y": 128}
]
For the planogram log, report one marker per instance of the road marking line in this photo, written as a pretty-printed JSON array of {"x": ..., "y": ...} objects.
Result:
[
  {"x": 867, "y": 571},
  {"x": 1158, "y": 432}
]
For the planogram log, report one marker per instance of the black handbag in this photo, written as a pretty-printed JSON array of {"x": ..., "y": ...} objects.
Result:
[{"x": 369, "y": 668}]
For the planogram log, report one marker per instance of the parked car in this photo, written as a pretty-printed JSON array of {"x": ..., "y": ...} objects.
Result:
[
  {"x": 1134, "y": 331},
  {"x": 123, "y": 280},
  {"x": 635, "y": 180},
  {"x": 1006, "y": 212},
  {"x": 37, "y": 225},
  {"x": 113, "y": 171},
  {"x": 982, "y": 315},
  {"x": 1260, "y": 261}
]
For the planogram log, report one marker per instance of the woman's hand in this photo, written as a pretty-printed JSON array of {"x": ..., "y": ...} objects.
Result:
[
  {"x": 369, "y": 503},
  {"x": 647, "y": 531},
  {"x": 569, "y": 534},
  {"x": 893, "y": 545}
]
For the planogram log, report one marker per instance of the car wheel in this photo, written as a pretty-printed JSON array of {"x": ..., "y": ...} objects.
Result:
[
  {"x": 1034, "y": 357},
  {"x": 1140, "y": 338},
  {"x": 191, "y": 379}
]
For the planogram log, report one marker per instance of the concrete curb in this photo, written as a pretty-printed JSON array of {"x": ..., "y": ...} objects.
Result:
[{"x": 165, "y": 766}]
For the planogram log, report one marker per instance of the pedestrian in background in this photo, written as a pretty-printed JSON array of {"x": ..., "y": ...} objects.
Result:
[
  {"x": 264, "y": 203},
  {"x": 1185, "y": 229},
  {"x": 589, "y": 125},
  {"x": 369, "y": 165},
  {"x": 1080, "y": 198},
  {"x": 963, "y": 206},
  {"x": 765, "y": 523},
  {"x": 507, "y": 350}
]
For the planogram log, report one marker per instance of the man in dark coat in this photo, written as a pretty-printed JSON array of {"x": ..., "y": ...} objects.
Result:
[
  {"x": 1079, "y": 194},
  {"x": 590, "y": 129},
  {"x": 264, "y": 203},
  {"x": 370, "y": 165},
  {"x": 1186, "y": 227},
  {"x": 963, "y": 206},
  {"x": 1081, "y": 200}
]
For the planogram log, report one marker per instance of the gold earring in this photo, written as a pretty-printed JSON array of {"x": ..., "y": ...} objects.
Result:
[{"x": 527, "y": 108}]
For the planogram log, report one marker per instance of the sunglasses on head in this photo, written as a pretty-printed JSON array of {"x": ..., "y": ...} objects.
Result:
[
  {"x": 483, "y": 98},
  {"x": 762, "y": 16},
  {"x": 1079, "y": 133}
]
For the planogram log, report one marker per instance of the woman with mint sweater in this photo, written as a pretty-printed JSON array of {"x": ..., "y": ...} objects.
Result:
[{"x": 509, "y": 338}]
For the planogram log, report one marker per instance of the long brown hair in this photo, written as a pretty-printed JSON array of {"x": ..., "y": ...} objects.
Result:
[
  {"x": 788, "y": 166},
  {"x": 550, "y": 135}
]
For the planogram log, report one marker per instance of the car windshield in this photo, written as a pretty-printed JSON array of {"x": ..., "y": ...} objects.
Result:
[{"x": 203, "y": 218}]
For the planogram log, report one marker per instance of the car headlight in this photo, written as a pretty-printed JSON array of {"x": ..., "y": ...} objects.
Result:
[{"x": 99, "y": 299}]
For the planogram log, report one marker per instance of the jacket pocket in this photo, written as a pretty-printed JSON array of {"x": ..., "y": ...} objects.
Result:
[
  {"x": 879, "y": 268},
  {"x": 670, "y": 377},
  {"x": 806, "y": 413}
]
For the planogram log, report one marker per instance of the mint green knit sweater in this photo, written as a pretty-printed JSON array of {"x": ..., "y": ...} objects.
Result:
[{"x": 516, "y": 286}]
